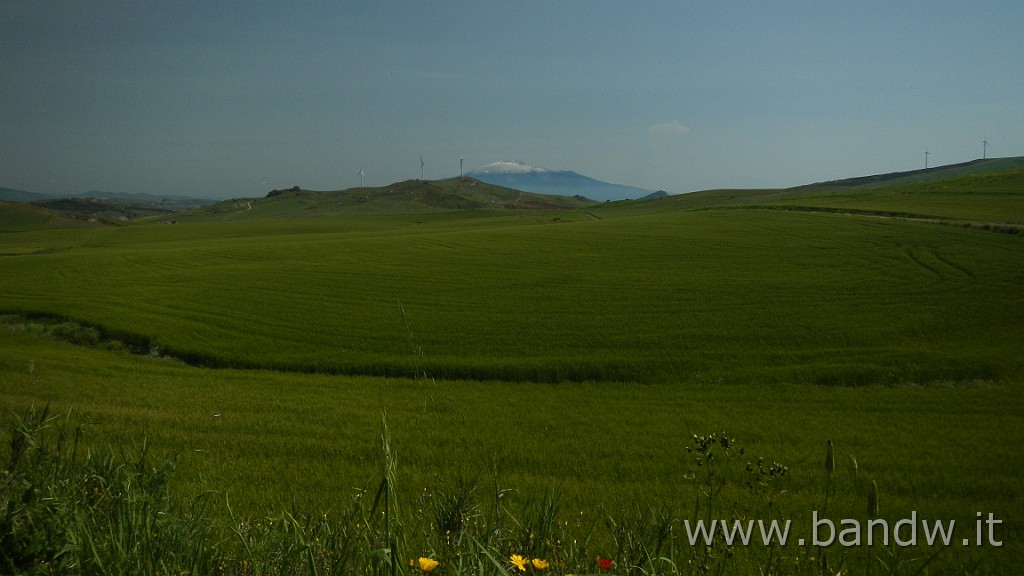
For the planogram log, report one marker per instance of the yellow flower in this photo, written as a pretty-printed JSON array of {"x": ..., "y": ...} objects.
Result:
[
  {"x": 519, "y": 561},
  {"x": 540, "y": 564},
  {"x": 428, "y": 564}
]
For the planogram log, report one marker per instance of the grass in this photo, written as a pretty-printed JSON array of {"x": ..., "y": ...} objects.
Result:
[
  {"x": 754, "y": 296},
  {"x": 305, "y": 443},
  {"x": 23, "y": 217},
  {"x": 992, "y": 198},
  {"x": 70, "y": 509},
  {"x": 560, "y": 368}
]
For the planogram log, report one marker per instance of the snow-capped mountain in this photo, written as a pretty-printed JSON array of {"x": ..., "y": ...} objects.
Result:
[
  {"x": 508, "y": 167},
  {"x": 521, "y": 176}
]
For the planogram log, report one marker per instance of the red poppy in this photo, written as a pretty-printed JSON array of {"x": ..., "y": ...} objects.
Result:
[{"x": 603, "y": 564}]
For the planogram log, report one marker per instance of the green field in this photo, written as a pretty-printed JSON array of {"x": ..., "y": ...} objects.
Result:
[{"x": 579, "y": 349}]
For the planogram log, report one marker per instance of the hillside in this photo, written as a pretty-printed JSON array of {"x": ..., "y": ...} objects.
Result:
[
  {"x": 24, "y": 210},
  {"x": 985, "y": 194},
  {"x": 408, "y": 197},
  {"x": 949, "y": 193},
  {"x": 21, "y": 216},
  {"x": 105, "y": 210},
  {"x": 936, "y": 173},
  {"x": 582, "y": 354}
]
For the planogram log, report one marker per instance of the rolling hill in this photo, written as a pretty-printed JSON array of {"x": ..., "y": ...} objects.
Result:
[
  {"x": 986, "y": 194},
  {"x": 180, "y": 202},
  {"x": 943, "y": 192},
  {"x": 978, "y": 166},
  {"x": 581, "y": 356},
  {"x": 22, "y": 208},
  {"x": 408, "y": 197},
  {"x": 106, "y": 210},
  {"x": 22, "y": 216}
]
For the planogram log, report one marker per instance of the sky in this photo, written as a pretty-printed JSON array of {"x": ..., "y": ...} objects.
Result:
[{"x": 232, "y": 99}]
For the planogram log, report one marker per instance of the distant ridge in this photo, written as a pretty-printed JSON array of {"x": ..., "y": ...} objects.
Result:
[
  {"x": 144, "y": 197},
  {"x": 94, "y": 207},
  {"x": 522, "y": 176},
  {"x": 12, "y": 195},
  {"x": 108, "y": 210},
  {"x": 177, "y": 201},
  {"x": 945, "y": 171}
]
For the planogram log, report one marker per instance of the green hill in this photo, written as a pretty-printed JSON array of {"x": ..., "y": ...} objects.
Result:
[
  {"x": 980, "y": 166},
  {"x": 584, "y": 355},
  {"x": 21, "y": 216},
  {"x": 408, "y": 197},
  {"x": 987, "y": 194},
  {"x": 105, "y": 210},
  {"x": 948, "y": 193}
]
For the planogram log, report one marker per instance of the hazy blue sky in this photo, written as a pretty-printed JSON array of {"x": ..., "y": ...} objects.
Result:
[{"x": 223, "y": 99}]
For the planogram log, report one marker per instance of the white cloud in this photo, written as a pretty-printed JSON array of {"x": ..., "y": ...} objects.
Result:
[{"x": 672, "y": 128}]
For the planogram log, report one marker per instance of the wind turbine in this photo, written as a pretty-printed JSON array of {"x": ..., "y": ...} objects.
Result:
[
  {"x": 984, "y": 148},
  {"x": 421, "y": 167},
  {"x": 361, "y": 176},
  {"x": 926, "y": 154},
  {"x": 460, "y": 166}
]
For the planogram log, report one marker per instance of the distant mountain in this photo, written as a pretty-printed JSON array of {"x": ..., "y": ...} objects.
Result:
[
  {"x": 168, "y": 199},
  {"x": 12, "y": 195},
  {"x": 520, "y": 176},
  {"x": 107, "y": 210},
  {"x": 179, "y": 202}
]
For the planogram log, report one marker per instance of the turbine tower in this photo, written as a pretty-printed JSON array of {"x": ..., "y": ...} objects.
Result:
[
  {"x": 460, "y": 166},
  {"x": 421, "y": 167},
  {"x": 984, "y": 148},
  {"x": 361, "y": 176},
  {"x": 926, "y": 154}
]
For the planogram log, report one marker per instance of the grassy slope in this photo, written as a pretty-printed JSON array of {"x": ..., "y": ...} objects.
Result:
[
  {"x": 974, "y": 167},
  {"x": 274, "y": 440},
  {"x": 751, "y": 301},
  {"x": 23, "y": 217},
  {"x": 969, "y": 194},
  {"x": 987, "y": 198},
  {"x": 686, "y": 296}
]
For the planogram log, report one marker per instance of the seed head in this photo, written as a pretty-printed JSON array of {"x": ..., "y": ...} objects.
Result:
[{"x": 873, "y": 500}]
